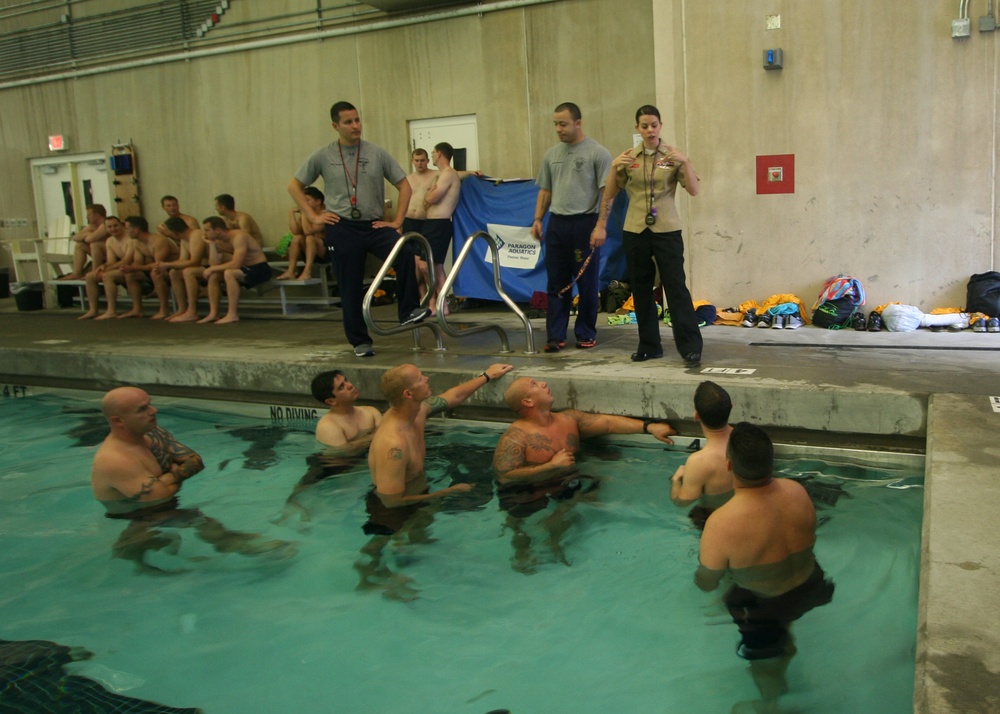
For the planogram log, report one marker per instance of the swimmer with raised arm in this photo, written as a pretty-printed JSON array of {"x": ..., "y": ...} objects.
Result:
[
  {"x": 541, "y": 445},
  {"x": 535, "y": 462},
  {"x": 396, "y": 456}
]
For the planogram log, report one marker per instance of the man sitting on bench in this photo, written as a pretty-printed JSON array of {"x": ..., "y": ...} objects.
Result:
[{"x": 245, "y": 267}]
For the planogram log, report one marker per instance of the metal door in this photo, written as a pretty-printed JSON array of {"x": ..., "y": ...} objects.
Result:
[
  {"x": 458, "y": 131},
  {"x": 64, "y": 187}
]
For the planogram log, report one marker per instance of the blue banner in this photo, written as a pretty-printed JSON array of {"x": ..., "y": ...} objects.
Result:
[{"x": 505, "y": 211}]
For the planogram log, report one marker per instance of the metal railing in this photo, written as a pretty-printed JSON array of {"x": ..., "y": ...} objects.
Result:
[
  {"x": 474, "y": 329},
  {"x": 366, "y": 305}
]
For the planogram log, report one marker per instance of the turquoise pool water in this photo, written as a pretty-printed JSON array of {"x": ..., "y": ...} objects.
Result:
[{"x": 446, "y": 625}]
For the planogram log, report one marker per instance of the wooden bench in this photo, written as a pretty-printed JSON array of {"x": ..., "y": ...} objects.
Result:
[{"x": 320, "y": 284}]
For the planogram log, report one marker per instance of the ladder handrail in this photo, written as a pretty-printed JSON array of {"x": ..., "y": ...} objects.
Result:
[
  {"x": 449, "y": 281},
  {"x": 366, "y": 305}
]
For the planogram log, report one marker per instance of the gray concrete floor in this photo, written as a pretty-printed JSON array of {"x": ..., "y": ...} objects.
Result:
[{"x": 913, "y": 392}]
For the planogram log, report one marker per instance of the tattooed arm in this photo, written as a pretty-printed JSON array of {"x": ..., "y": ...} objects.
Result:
[
  {"x": 458, "y": 394},
  {"x": 119, "y": 476},
  {"x": 436, "y": 405},
  {"x": 511, "y": 466},
  {"x": 602, "y": 424},
  {"x": 611, "y": 189},
  {"x": 174, "y": 458}
]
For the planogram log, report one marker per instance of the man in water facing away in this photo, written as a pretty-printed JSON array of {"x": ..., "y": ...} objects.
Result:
[
  {"x": 138, "y": 471},
  {"x": 763, "y": 537},
  {"x": 705, "y": 476}
]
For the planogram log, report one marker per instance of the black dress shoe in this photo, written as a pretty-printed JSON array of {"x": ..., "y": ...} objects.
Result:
[
  {"x": 643, "y": 356},
  {"x": 692, "y": 360}
]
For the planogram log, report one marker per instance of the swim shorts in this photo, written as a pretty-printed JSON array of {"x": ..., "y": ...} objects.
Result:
[
  {"x": 764, "y": 621},
  {"x": 383, "y": 520},
  {"x": 155, "y": 512},
  {"x": 698, "y": 515},
  {"x": 412, "y": 225},
  {"x": 521, "y": 501},
  {"x": 438, "y": 232},
  {"x": 254, "y": 275}
]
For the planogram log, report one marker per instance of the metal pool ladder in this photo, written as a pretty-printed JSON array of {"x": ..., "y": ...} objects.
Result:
[
  {"x": 414, "y": 329},
  {"x": 473, "y": 329},
  {"x": 442, "y": 322}
]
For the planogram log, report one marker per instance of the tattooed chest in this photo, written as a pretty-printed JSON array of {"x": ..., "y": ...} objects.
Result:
[{"x": 543, "y": 444}]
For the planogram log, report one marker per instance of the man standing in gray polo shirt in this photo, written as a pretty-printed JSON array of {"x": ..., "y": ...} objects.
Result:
[
  {"x": 570, "y": 181},
  {"x": 354, "y": 174}
]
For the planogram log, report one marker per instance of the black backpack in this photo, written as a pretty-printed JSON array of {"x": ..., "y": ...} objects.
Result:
[
  {"x": 983, "y": 294},
  {"x": 834, "y": 314}
]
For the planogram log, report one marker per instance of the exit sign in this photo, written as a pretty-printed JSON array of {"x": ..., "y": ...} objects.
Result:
[{"x": 57, "y": 142}]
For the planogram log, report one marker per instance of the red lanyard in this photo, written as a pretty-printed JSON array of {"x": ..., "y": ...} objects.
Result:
[{"x": 353, "y": 181}]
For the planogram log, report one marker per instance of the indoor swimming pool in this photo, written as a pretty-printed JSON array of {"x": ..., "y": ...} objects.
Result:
[{"x": 585, "y": 609}]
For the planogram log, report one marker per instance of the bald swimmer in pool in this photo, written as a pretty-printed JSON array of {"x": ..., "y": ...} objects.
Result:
[
  {"x": 535, "y": 462},
  {"x": 138, "y": 471}
]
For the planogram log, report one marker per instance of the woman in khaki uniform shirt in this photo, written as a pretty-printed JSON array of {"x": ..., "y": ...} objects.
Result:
[{"x": 650, "y": 174}]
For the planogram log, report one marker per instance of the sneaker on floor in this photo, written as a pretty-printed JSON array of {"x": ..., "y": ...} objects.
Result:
[
  {"x": 364, "y": 350},
  {"x": 993, "y": 324},
  {"x": 419, "y": 314},
  {"x": 858, "y": 321},
  {"x": 979, "y": 325},
  {"x": 778, "y": 323},
  {"x": 749, "y": 318},
  {"x": 874, "y": 322},
  {"x": 554, "y": 345},
  {"x": 793, "y": 322},
  {"x": 765, "y": 320},
  {"x": 958, "y": 326},
  {"x": 586, "y": 344}
]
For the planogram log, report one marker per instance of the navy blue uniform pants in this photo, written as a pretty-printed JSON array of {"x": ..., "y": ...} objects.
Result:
[
  {"x": 350, "y": 242},
  {"x": 567, "y": 247}
]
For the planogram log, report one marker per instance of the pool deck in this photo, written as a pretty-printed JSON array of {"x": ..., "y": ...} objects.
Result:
[{"x": 910, "y": 392}]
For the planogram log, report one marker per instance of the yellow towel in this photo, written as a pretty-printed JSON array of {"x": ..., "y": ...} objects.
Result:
[
  {"x": 782, "y": 298},
  {"x": 880, "y": 308},
  {"x": 733, "y": 319}
]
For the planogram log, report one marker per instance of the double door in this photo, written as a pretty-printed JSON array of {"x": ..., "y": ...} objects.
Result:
[{"x": 65, "y": 186}]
